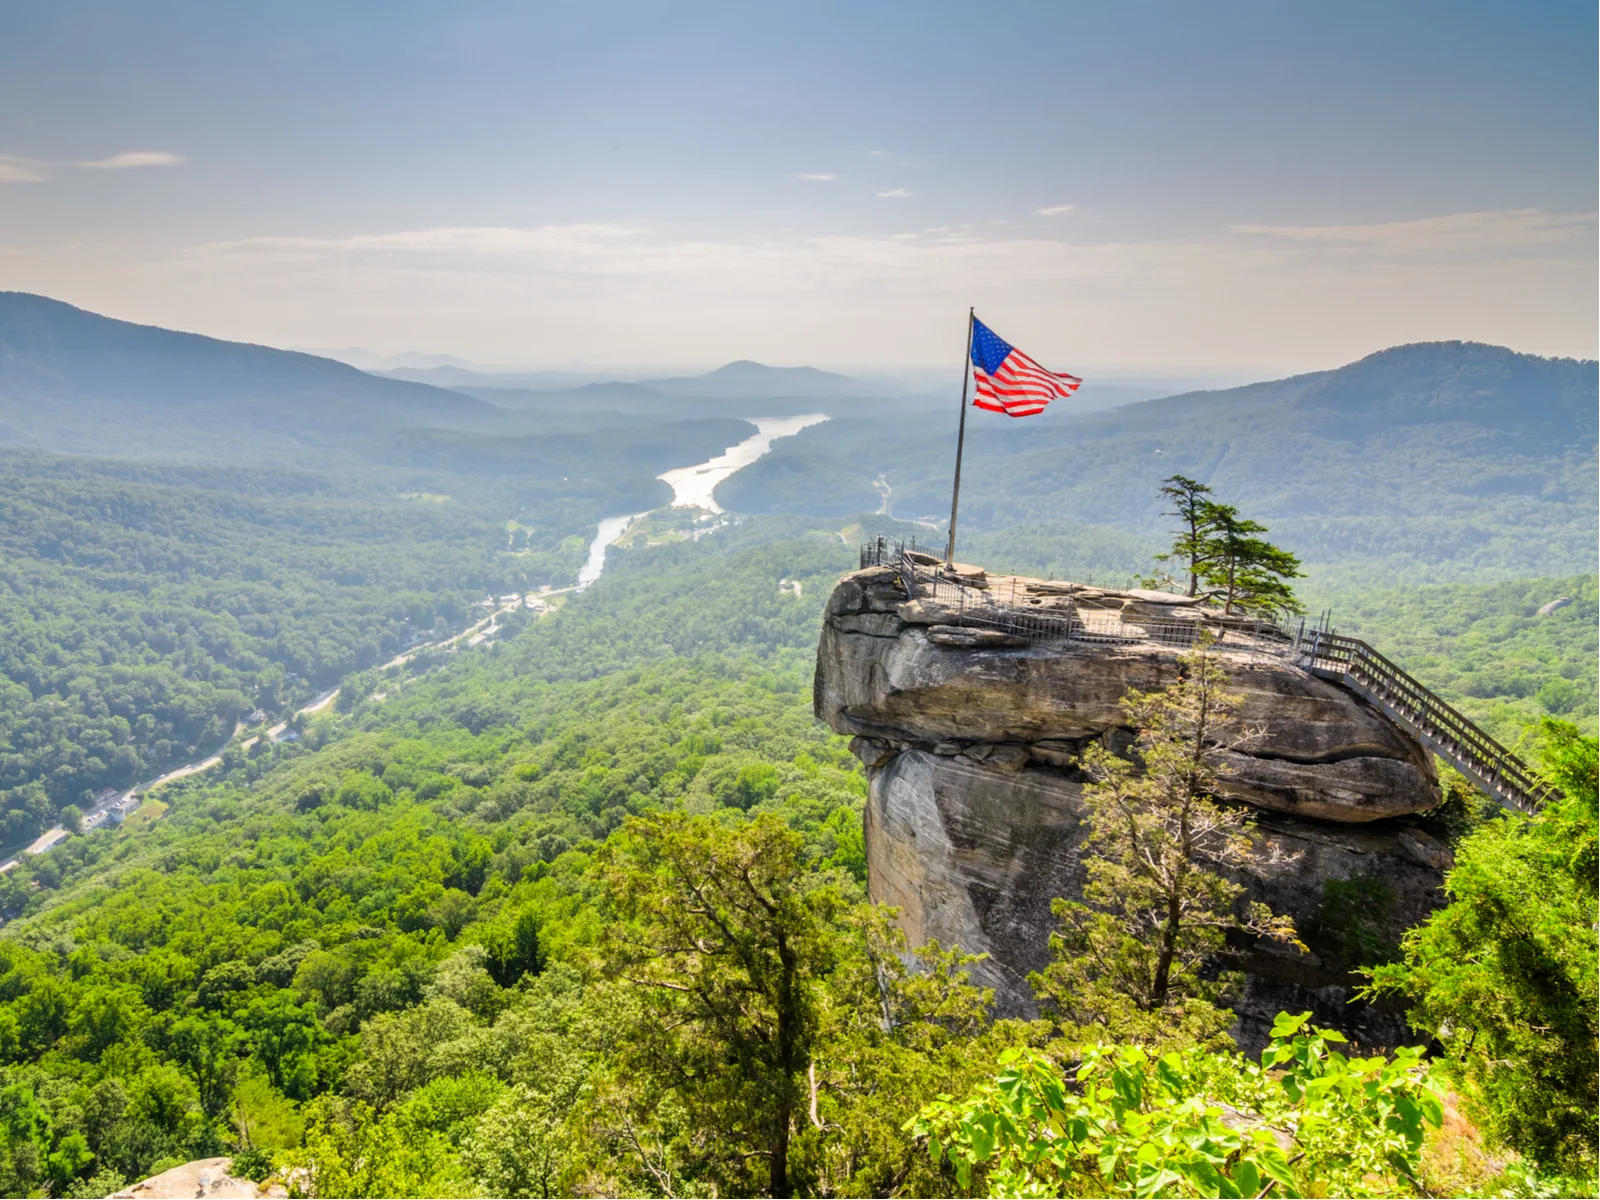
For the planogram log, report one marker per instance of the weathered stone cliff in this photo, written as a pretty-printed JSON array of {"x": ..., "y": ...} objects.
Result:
[{"x": 974, "y": 823}]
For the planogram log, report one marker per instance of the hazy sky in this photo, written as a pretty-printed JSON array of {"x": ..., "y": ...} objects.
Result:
[{"x": 1133, "y": 187}]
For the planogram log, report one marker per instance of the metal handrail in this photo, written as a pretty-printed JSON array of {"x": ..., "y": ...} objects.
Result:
[{"x": 1476, "y": 752}]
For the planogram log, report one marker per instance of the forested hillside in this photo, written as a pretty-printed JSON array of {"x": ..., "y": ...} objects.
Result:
[
  {"x": 250, "y": 527},
  {"x": 389, "y": 954},
  {"x": 1488, "y": 649},
  {"x": 1435, "y": 462}
]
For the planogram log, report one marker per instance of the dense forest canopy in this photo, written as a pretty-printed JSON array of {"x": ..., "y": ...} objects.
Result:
[
  {"x": 388, "y": 942},
  {"x": 498, "y": 921}
]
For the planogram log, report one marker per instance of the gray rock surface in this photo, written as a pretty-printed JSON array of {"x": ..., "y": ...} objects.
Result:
[
  {"x": 898, "y": 672},
  {"x": 973, "y": 822}
]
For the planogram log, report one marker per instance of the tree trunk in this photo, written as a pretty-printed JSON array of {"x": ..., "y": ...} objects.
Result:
[
  {"x": 1169, "y": 950},
  {"x": 1194, "y": 555},
  {"x": 778, "y": 1185}
]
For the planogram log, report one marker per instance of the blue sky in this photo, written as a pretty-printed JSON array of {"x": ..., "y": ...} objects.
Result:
[{"x": 1129, "y": 187}]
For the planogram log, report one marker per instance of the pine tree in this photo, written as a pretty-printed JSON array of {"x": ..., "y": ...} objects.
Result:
[
  {"x": 1216, "y": 548},
  {"x": 1248, "y": 574},
  {"x": 1192, "y": 547},
  {"x": 1129, "y": 961}
]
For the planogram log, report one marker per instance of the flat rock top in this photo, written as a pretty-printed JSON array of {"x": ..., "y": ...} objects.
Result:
[{"x": 203, "y": 1179}]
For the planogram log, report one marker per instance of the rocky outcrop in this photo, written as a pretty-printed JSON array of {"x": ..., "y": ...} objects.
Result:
[
  {"x": 971, "y": 738},
  {"x": 202, "y": 1179}
]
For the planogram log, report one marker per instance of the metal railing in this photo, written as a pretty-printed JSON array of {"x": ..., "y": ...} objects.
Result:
[
  {"x": 1038, "y": 611},
  {"x": 1438, "y": 726}
]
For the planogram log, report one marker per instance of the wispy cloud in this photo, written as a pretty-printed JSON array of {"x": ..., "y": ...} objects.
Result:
[
  {"x": 1292, "y": 294},
  {"x": 894, "y": 194},
  {"x": 1511, "y": 230},
  {"x": 14, "y": 169},
  {"x": 17, "y": 169},
  {"x": 816, "y": 176},
  {"x": 134, "y": 158},
  {"x": 1055, "y": 210}
]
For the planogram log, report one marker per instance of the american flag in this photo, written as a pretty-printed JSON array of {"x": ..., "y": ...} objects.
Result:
[{"x": 1010, "y": 382}]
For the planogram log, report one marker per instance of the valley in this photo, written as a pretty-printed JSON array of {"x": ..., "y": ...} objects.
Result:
[
  {"x": 527, "y": 671},
  {"x": 392, "y": 909}
]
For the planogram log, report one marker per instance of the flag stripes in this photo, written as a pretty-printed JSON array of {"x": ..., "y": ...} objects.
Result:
[{"x": 1008, "y": 381}]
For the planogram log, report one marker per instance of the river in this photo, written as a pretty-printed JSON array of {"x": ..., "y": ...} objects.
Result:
[
  {"x": 693, "y": 487},
  {"x": 610, "y": 530}
]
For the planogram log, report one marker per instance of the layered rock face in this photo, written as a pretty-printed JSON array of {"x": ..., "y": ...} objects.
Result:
[{"x": 974, "y": 822}]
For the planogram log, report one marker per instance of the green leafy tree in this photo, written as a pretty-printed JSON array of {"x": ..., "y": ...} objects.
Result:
[
  {"x": 205, "y": 1045},
  {"x": 25, "y": 1130},
  {"x": 348, "y": 1151},
  {"x": 1128, "y": 963},
  {"x": 726, "y": 944},
  {"x": 1192, "y": 547},
  {"x": 896, "y": 1027},
  {"x": 1305, "y": 1120},
  {"x": 70, "y": 1159},
  {"x": 521, "y": 1147},
  {"x": 263, "y": 1118},
  {"x": 1247, "y": 573},
  {"x": 515, "y": 950},
  {"x": 282, "y": 1035},
  {"x": 1505, "y": 974}
]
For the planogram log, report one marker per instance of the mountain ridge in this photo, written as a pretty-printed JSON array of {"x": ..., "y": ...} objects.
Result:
[
  {"x": 1454, "y": 460},
  {"x": 70, "y": 377}
]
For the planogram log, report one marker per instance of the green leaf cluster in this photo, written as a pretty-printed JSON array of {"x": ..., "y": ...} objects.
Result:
[
  {"x": 1303, "y": 1120},
  {"x": 1504, "y": 976}
]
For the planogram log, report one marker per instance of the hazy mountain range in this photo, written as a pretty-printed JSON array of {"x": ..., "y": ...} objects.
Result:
[
  {"x": 1445, "y": 459},
  {"x": 1450, "y": 460}
]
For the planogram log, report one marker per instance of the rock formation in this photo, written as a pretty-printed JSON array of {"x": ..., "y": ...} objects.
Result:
[{"x": 970, "y": 737}]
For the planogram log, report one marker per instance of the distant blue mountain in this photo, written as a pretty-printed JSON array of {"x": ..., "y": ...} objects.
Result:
[
  {"x": 746, "y": 380},
  {"x": 1436, "y": 460},
  {"x": 74, "y": 380},
  {"x": 737, "y": 381}
]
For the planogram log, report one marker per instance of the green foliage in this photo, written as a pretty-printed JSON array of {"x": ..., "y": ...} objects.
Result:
[
  {"x": 350, "y": 1152},
  {"x": 1248, "y": 574},
  {"x": 777, "y": 1035},
  {"x": 1131, "y": 963},
  {"x": 1505, "y": 975},
  {"x": 378, "y": 957},
  {"x": 1485, "y": 648},
  {"x": 726, "y": 947},
  {"x": 145, "y": 610},
  {"x": 357, "y": 916},
  {"x": 1219, "y": 559},
  {"x": 254, "y": 1165},
  {"x": 1348, "y": 925},
  {"x": 1303, "y": 1121},
  {"x": 1192, "y": 548}
]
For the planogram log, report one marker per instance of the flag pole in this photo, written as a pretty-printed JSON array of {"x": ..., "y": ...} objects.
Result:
[{"x": 961, "y": 438}]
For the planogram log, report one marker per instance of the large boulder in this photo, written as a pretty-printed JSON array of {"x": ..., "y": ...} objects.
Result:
[
  {"x": 902, "y": 673},
  {"x": 974, "y": 818}
]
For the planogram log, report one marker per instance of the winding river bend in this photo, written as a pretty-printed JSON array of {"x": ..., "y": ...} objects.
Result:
[{"x": 693, "y": 487}]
